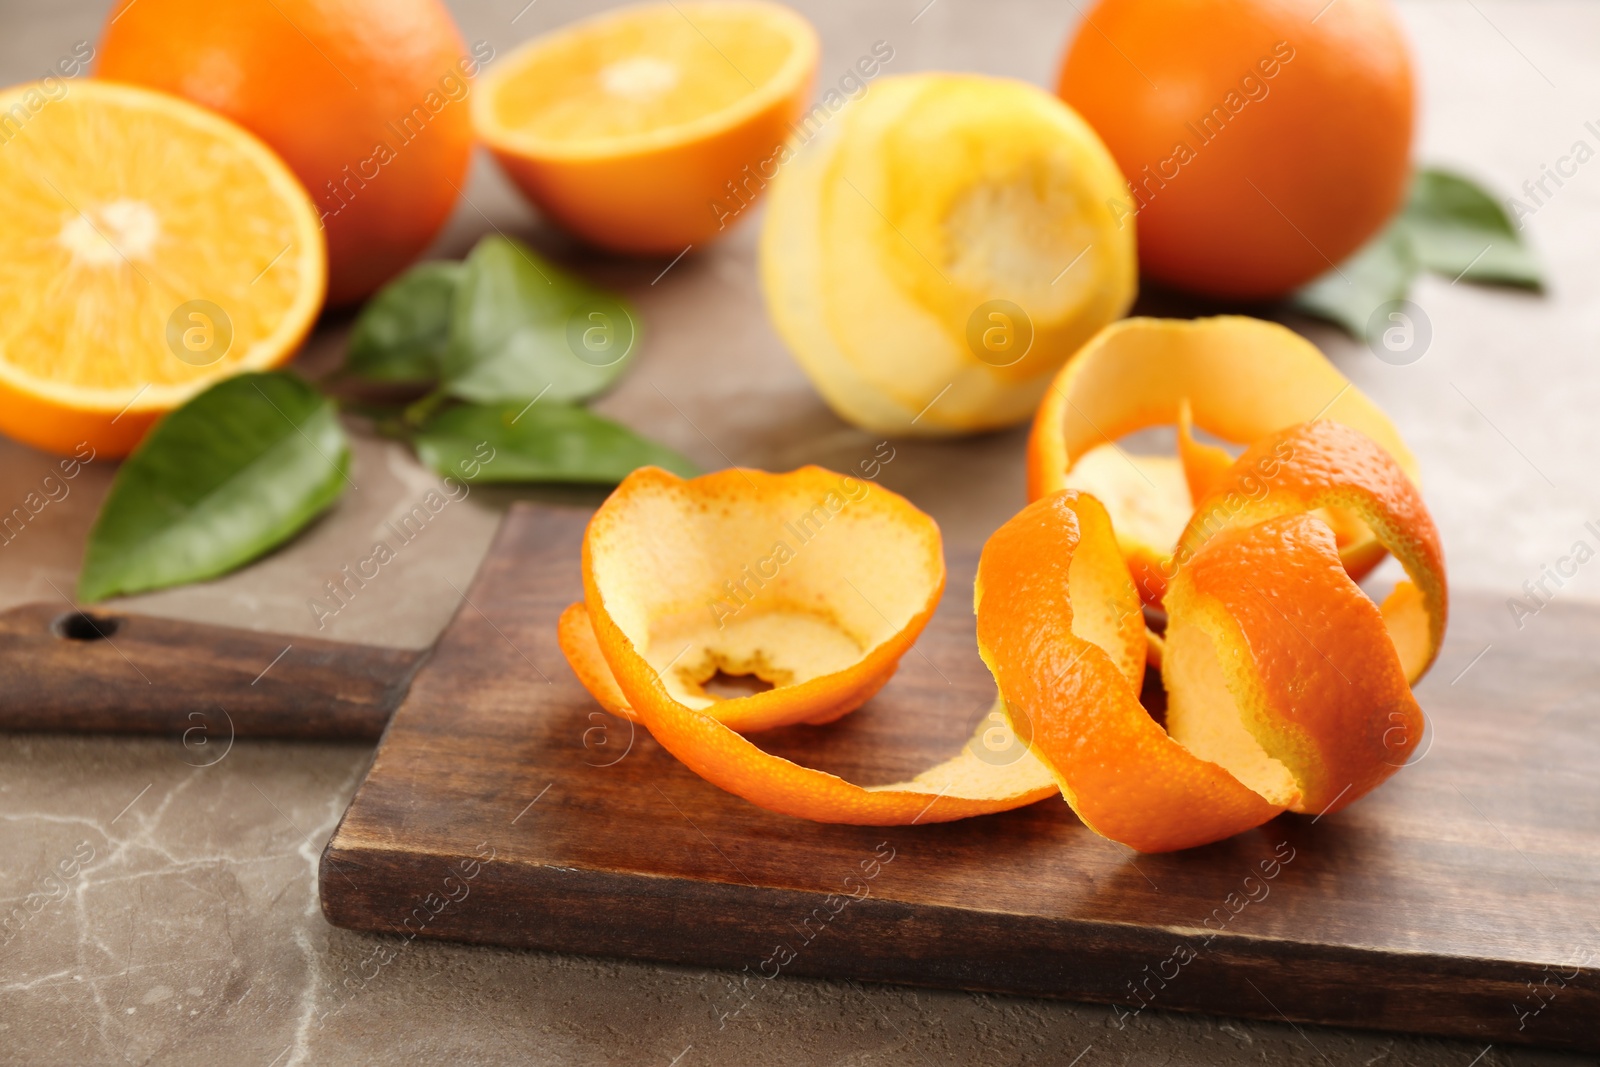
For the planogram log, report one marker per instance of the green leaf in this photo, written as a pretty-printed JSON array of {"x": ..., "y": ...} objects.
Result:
[
  {"x": 1459, "y": 230},
  {"x": 1380, "y": 272},
  {"x": 402, "y": 333},
  {"x": 541, "y": 442},
  {"x": 523, "y": 328},
  {"x": 1449, "y": 226},
  {"x": 234, "y": 472}
]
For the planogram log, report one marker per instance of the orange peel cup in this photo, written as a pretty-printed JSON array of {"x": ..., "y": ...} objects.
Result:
[
  {"x": 1288, "y": 688},
  {"x": 848, "y": 575}
]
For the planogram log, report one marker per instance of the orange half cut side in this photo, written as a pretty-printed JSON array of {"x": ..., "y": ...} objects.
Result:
[
  {"x": 150, "y": 249},
  {"x": 648, "y": 128}
]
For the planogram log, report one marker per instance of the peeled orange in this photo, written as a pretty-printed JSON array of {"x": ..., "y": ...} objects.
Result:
[
  {"x": 150, "y": 248},
  {"x": 941, "y": 248},
  {"x": 648, "y": 129}
]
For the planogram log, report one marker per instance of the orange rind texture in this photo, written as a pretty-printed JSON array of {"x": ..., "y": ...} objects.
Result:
[
  {"x": 1240, "y": 378},
  {"x": 1284, "y": 688},
  {"x": 1288, "y": 688},
  {"x": 1070, "y": 680},
  {"x": 813, "y": 582},
  {"x": 664, "y": 608},
  {"x": 1325, "y": 468},
  {"x": 1280, "y": 669}
]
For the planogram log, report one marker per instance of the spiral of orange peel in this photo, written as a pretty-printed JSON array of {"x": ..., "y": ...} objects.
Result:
[
  {"x": 1288, "y": 688},
  {"x": 1237, "y": 378}
]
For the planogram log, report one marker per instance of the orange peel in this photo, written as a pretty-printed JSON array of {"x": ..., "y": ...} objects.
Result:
[
  {"x": 813, "y": 582},
  {"x": 1280, "y": 669},
  {"x": 1070, "y": 680},
  {"x": 827, "y": 626},
  {"x": 1328, "y": 468},
  {"x": 1288, "y": 688},
  {"x": 1240, "y": 379},
  {"x": 1284, "y": 690}
]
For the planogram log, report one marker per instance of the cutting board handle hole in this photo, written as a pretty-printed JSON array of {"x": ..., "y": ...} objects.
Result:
[{"x": 81, "y": 626}]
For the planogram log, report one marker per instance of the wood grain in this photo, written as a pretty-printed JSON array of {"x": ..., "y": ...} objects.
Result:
[
  {"x": 1461, "y": 899},
  {"x": 109, "y": 672}
]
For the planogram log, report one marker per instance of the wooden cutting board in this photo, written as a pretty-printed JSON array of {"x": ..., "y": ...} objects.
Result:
[{"x": 1461, "y": 899}]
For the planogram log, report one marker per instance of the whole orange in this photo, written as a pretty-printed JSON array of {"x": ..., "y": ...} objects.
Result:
[
  {"x": 1263, "y": 140},
  {"x": 364, "y": 99}
]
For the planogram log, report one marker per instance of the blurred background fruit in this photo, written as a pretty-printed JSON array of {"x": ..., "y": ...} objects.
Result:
[
  {"x": 365, "y": 99},
  {"x": 1264, "y": 145},
  {"x": 151, "y": 247},
  {"x": 942, "y": 248},
  {"x": 631, "y": 128}
]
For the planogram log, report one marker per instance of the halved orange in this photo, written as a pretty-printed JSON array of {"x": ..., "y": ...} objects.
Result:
[
  {"x": 651, "y": 128},
  {"x": 150, "y": 248}
]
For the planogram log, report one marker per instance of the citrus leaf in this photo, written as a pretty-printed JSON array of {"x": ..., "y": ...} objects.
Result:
[
  {"x": 523, "y": 328},
  {"x": 1450, "y": 226},
  {"x": 401, "y": 333},
  {"x": 541, "y": 442},
  {"x": 234, "y": 472},
  {"x": 1378, "y": 273},
  {"x": 1460, "y": 231}
]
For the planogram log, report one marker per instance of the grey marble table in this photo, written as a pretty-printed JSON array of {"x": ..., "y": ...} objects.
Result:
[{"x": 193, "y": 933}]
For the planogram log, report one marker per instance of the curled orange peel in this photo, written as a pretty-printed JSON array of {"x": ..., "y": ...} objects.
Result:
[
  {"x": 861, "y": 572},
  {"x": 1070, "y": 679},
  {"x": 1284, "y": 688},
  {"x": 1234, "y": 377},
  {"x": 1203, "y": 464},
  {"x": 1327, "y": 468},
  {"x": 1288, "y": 688}
]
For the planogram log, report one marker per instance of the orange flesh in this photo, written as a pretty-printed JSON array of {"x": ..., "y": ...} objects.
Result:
[{"x": 113, "y": 233}]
